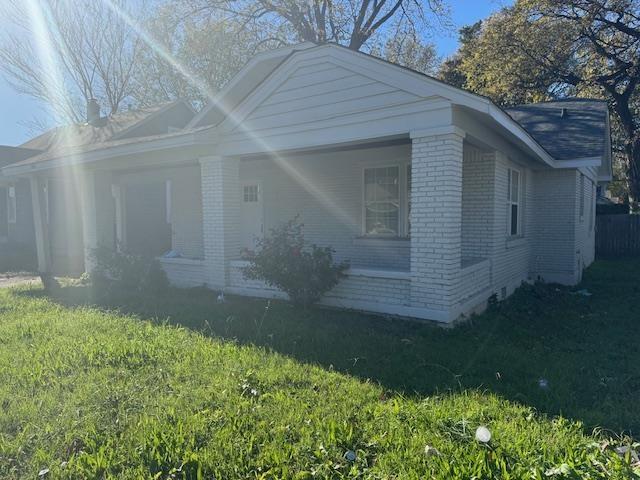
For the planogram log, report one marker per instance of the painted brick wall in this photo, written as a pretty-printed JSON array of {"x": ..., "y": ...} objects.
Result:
[
  {"x": 511, "y": 255},
  {"x": 554, "y": 249},
  {"x": 477, "y": 202},
  {"x": 184, "y": 273},
  {"x": 220, "y": 217},
  {"x": 357, "y": 291},
  {"x": 436, "y": 220}
]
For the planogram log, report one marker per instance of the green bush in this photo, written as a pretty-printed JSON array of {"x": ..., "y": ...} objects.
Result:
[
  {"x": 114, "y": 270},
  {"x": 286, "y": 261}
]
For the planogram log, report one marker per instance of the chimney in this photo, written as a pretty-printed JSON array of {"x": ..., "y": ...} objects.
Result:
[{"x": 93, "y": 112}]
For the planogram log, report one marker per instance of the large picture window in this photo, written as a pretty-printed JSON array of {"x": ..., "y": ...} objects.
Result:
[
  {"x": 514, "y": 189},
  {"x": 386, "y": 201}
]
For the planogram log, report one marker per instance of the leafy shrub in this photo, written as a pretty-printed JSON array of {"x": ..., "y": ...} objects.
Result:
[
  {"x": 127, "y": 272},
  {"x": 286, "y": 261}
]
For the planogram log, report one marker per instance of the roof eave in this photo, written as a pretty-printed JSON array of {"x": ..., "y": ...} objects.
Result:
[{"x": 83, "y": 158}]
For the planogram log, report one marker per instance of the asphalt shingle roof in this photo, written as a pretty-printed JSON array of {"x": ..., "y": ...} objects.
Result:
[{"x": 579, "y": 132}]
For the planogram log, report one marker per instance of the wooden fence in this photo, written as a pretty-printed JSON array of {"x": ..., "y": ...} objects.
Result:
[{"x": 617, "y": 236}]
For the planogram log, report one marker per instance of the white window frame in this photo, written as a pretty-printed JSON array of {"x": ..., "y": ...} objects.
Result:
[
  {"x": 167, "y": 200},
  {"x": 403, "y": 200},
  {"x": 12, "y": 208},
  {"x": 592, "y": 201},
  {"x": 581, "y": 198},
  {"x": 511, "y": 203}
]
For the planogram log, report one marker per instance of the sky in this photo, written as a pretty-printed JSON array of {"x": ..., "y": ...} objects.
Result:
[{"x": 17, "y": 111}]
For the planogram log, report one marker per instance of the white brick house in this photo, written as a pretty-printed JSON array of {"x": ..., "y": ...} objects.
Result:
[{"x": 437, "y": 197}]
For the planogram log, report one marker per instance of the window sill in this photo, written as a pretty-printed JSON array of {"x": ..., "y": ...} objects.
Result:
[
  {"x": 180, "y": 261},
  {"x": 402, "y": 242},
  {"x": 516, "y": 241}
]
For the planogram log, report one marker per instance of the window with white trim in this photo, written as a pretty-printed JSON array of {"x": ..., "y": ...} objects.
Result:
[
  {"x": 167, "y": 201},
  {"x": 513, "y": 196},
  {"x": 581, "y": 197},
  {"x": 592, "y": 201},
  {"x": 386, "y": 201},
  {"x": 12, "y": 216}
]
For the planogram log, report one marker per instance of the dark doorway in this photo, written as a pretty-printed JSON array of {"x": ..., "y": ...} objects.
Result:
[{"x": 148, "y": 232}]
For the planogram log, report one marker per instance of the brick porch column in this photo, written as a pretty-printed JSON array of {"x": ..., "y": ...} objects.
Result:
[
  {"x": 220, "y": 217},
  {"x": 98, "y": 213},
  {"x": 436, "y": 222},
  {"x": 41, "y": 227}
]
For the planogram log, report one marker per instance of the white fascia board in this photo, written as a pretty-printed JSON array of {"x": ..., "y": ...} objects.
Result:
[
  {"x": 605, "y": 178},
  {"x": 583, "y": 162},
  {"x": 83, "y": 158}
]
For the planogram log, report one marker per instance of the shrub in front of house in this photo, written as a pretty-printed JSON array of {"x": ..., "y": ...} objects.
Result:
[
  {"x": 114, "y": 270},
  {"x": 286, "y": 261}
]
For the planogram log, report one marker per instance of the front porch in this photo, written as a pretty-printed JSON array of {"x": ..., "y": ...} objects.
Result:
[{"x": 413, "y": 251}]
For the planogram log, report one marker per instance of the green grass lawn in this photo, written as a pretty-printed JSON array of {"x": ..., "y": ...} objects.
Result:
[{"x": 251, "y": 389}]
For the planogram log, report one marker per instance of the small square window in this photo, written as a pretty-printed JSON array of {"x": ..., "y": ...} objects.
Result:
[{"x": 250, "y": 193}]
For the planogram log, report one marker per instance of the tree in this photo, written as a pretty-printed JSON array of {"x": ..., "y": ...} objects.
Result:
[
  {"x": 540, "y": 49},
  {"x": 352, "y": 23},
  {"x": 65, "y": 53},
  {"x": 406, "y": 49},
  {"x": 209, "y": 48}
]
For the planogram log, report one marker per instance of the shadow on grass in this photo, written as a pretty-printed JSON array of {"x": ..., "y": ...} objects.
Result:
[{"x": 585, "y": 349}]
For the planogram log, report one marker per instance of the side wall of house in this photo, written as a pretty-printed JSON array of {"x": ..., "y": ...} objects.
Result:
[
  {"x": 585, "y": 218},
  {"x": 493, "y": 260},
  {"x": 554, "y": 255},
  {"x": 511, "y": 254}
]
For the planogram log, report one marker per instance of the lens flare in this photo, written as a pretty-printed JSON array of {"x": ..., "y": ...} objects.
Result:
[{"x": 288, "y": 166}]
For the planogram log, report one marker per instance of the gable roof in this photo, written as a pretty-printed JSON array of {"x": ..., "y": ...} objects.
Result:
[
  {"x": 9, "y": 155},
  {"x": 133, "y": 124},
  {"x": 568, "y": 128},
  {"x": 267, "y": 69}
]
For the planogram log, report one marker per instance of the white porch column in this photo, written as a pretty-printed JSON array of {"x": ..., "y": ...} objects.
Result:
[
  {"x": 88, "y": 213},
  {"x": 436, "y": 222},
  {"x": 220, "y": 217},
  {"x": 98, "y": 213},
  {"x": 38, "y": 203}
]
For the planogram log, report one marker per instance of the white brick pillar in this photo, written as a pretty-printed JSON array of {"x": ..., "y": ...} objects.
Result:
[
  {"x": 87, "y": 187},
  {"x": 220, "y": 217},
  {"x": 98, "y": 213},
  {"x": 436, "y": 222},
  {"x": 41, "y": 224}
]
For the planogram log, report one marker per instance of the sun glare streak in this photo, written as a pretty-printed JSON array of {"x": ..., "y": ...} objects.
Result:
[
  {"x": 72, "y": 179},
  {"x": 202, "y": 86}
]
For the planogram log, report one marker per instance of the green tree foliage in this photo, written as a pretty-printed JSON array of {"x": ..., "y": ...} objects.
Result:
[{"x": 544, "y": 49}]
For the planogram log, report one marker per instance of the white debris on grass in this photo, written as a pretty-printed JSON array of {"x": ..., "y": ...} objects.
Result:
[{"x": 483, "y": 434}]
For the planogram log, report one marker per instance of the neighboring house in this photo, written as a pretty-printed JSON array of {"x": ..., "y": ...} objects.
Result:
[
  {"x": 438, "y": 198},
  {"x": 17, "y": 236},
  {"x": 60, "y": 207}
]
